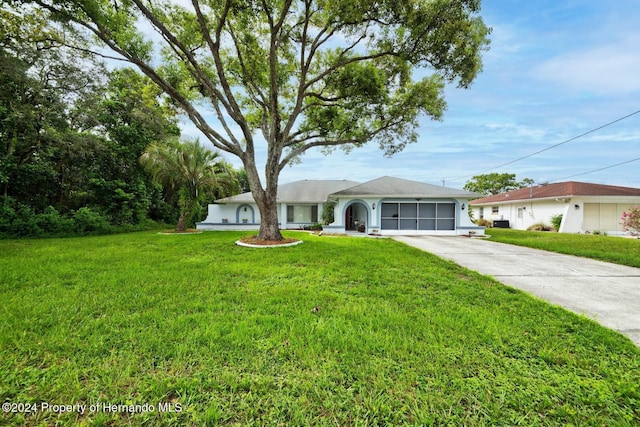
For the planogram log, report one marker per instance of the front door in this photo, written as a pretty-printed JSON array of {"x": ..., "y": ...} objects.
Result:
[
  {"x": 349, "y": 219},
  {"x": 355, "y": 218}
]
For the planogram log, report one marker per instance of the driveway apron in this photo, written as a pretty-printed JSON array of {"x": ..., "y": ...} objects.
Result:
[{"x": 607, "y": 293}]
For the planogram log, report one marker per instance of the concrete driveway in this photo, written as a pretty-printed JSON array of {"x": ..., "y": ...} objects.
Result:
[{"x": 607, "y": 293}]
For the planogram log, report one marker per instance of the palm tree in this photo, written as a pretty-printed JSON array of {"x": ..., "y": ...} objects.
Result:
[{"x": 192, "y": 171}]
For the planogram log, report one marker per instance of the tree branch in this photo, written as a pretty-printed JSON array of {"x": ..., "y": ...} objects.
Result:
[
  {"x": 180, "y": 49},
  {"x": 304, "y": 145},
  {"x": 254, "y": 90},
  {"x": 275, "y": 137},
  {"x": 232, "y": 108},
  {"x": 304, "y": 69},
  {"x": 103, "y": 34}
]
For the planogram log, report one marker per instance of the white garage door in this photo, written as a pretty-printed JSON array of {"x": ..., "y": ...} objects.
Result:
[{"x": 603, "y": 216}]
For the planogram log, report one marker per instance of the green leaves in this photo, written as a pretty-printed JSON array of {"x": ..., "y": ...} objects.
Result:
[
  {"x": 302, "y": 73},
  {"x": 374, "y": 100},
  {"x": 67, "y": 138},
  {"x": 192, "y": 171},
  {"x": 266, "y": 65},
  {"x": 495, "y": 183}
]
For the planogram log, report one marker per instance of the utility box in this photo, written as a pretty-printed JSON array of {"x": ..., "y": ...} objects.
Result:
[{"x": 501, "y": 223}]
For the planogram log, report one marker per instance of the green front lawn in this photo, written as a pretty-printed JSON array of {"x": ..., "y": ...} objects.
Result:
[
  {"x": 336, "y": 331},
  {"x": 619, "y": 250}
]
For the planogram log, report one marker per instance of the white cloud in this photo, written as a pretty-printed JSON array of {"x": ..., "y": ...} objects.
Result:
[
  {"x": 602, "y": 69},
  {"x": 517, "y": 132}
]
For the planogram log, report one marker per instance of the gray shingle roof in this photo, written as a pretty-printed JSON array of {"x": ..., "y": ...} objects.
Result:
[
  {"x": 317, "y": 191},
  {"x": 305, "y": 191},
  {"x": 388, "y": 186}
]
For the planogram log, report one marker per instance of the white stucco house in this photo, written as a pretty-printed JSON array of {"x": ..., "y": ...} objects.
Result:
[
  {"x": 585, "y": 207},
  {"x": 383, "y": 206}
]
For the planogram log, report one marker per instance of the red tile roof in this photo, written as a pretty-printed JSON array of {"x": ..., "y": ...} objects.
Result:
[{"x": 560, "y": 189}]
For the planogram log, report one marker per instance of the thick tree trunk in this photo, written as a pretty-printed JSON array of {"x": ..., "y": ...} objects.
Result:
[
  {"x": 265, "y": 197},
  {"x": 269, "y": 229}
]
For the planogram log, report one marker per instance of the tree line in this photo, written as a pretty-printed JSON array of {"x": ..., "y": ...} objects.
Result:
[
  {"x": 71, "y": 137},
  {"x": 287, "y": 76}
]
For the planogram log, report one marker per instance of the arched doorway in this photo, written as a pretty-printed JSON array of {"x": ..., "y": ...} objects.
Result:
[
  {"x": 245, "y": 214},
  {"x": 356, "y": 217}
]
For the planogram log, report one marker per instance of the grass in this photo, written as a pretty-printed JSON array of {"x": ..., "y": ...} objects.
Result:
[
  {"x": 229, "y": 336},
  {"x": 604, "y": 248}
]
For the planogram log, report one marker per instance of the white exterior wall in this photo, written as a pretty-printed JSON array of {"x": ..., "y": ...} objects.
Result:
[
  {"x": 230, "y": 217},
  {"x": 372, "y": 217},
  {"x": 571, "y": 218},
  {"x": 339, "y": 212},
  {"x": 533, "y": 212},
  {"x": 233, "y": 213},
  {"x": 602, "y": 213}
]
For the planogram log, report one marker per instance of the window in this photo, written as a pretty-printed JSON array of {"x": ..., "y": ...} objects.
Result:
[
  {"x": 389, "y": 214},
  {"x": 408, "y": 216},
  {"x": 445, "y": 216},
  {"x": 302, "y": 213},
  {"x": 481, "y": 213},
  {"x": 495, "y": 210},
  {"x": 418, "y": 216}
]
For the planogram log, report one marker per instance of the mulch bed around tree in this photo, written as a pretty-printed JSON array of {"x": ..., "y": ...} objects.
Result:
[{"x": 253, "y": 240}]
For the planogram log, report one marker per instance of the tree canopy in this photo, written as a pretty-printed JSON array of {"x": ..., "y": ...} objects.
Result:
[
  {"x": 495, "y": 183},
  {"x": 291, "y": 74},
  {"x": 71, "y": 134}
]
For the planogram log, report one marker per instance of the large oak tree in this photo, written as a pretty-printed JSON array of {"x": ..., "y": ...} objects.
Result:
[{"x": 291, "y": 74}]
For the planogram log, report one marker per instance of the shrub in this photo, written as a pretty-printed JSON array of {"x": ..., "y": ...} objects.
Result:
[
  {"x": 327, "y": 213},
  {"x": 483, "y": 222},
  {"x": 313, "y": 227},
  {"x": 51, "y": 222},
  {"x": 89, "y": 221},
  {"x": 556, "y": 221},
  {"x": 17, "y": 219},
  {"x": 631, "y": 221},
  {"x": 7, "y": 215},
  {"x": 540, "y": 227}
]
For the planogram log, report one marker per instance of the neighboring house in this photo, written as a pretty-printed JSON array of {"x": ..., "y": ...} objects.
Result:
[
  {"x": 584, "y": 207},
  {"x": 385, "y": 206}
]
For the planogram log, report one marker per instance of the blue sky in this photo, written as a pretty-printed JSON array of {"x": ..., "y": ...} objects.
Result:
[{"x": 555, "y": 70}]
